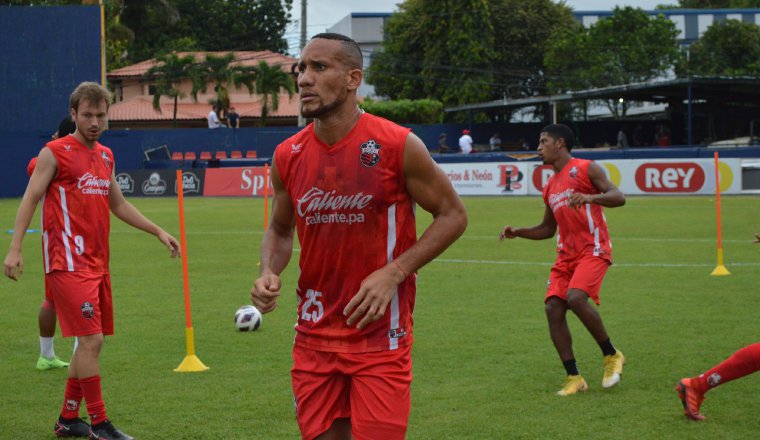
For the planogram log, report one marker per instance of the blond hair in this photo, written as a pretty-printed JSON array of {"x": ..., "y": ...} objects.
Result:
[{"x": 90, "y": 91}]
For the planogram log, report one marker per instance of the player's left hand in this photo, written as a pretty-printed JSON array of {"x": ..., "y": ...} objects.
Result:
[
  {"x": 577, "y": 200},
  {"x": 373, "y": 297},
  {"x": 757, "y": 238},
  {"x": 171, "y": 243}
]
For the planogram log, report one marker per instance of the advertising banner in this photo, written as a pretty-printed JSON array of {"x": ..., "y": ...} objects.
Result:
[
  {"x": 658, "y": 176},
  {"x": 246, "y": 182},
  {"x": 156, "y": 183},
  {"x": 487, "y": 178}
]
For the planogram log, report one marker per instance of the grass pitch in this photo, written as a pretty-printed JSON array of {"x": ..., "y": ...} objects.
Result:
[{"x": 484, "y": 365}]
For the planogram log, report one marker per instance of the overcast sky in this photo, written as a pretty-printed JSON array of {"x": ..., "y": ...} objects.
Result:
[{"x": 322, "y": 14}]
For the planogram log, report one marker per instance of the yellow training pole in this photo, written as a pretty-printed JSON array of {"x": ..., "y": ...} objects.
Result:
[
  {"x": 191, "y": 363},
  {"x": 720, "y": 269}
]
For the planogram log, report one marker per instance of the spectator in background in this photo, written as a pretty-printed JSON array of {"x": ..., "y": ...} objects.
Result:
[
  {"x": 443, "y": 146},
  {"x": 662, "y": 138},
  {"x": 465, "y": 142},
  {"x": 638, "y": 136},
  {"x": 495, "y": 142},
  {"x": 622, "y": 139},
  {"x": 233, "y": 118},
  {"x": 213, "y": 119}
]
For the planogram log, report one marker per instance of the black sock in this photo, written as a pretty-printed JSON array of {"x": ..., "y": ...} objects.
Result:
[
  {"x": 570, "y": 367},
  {"x": 607, "y": 348}
]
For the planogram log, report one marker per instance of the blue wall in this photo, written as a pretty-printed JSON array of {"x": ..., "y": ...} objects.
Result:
[{"x": 46, "y": 52}]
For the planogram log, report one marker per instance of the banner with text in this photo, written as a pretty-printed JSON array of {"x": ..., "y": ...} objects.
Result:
[
  {"x": 246, "y": 182},
  {"x": 658, "y": 176},
  {"x": 487, "y": 178},
  {"x": 156, "y": 183}
]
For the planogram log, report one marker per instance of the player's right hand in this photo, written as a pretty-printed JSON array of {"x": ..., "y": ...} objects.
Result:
[
  {"x": 265, "y": 291},
  {"x": 757, "y": 238},
  {"x": 508, "y": 232},
  {"x": 13, "y": 266}
]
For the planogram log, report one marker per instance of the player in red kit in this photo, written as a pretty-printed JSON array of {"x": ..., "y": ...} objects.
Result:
[
  {"x": 574, "y": 197},
  {"x": 348, "y": 183},
  {"x": 74, "y": 178},
  {"x": 692, "y": 390}
]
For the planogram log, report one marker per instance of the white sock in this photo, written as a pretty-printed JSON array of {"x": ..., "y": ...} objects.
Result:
[{"x": 46, "y": 347}]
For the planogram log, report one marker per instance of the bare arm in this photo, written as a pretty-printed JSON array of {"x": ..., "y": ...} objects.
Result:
[
  {"x": 276, "y": 247},
  {"x": 127, "y": 213},
  {"x": 44, "y": 171},
  {"x": 430, "y": 189},
  {"x": 541, "y": 231},
  {"x": 610, "y": 197}
]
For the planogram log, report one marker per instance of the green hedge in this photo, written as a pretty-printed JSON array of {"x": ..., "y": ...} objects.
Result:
[{"x": 406, "y": 111}]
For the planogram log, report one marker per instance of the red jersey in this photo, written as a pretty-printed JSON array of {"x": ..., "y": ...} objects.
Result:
[
  {"x": 76, "y": 216},
  {"x": 583, "y": 230},
  {"x": 353, "y": 216}
]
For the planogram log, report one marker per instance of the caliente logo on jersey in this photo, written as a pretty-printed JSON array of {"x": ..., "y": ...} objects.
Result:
[
  {"x": 370, "y": 153},
  {"x": 91, "y": 184},
  {"x": 319, "y": 206}
]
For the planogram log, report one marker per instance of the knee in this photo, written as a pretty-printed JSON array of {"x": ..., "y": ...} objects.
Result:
[
  {"x": 90, "y": 343},
  {"x": 554, "y": 309},
  {"x": 576, "y": 300}
]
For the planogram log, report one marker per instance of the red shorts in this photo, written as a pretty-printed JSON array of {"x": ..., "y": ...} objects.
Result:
[
  {"x": 82, "y": 301},
  {"x": 585, "y": 273},
  {"x": 372, "y": 389}
]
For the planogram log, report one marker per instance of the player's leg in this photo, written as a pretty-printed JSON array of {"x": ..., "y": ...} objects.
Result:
[
  {"x": 691, "y": 390},
  {"x": 46, "y": 320},
  {"x": 321, "y": 394},
  {"x": 585, "y": 283},
  {"x": 555, "y": 306},
  {"x": 380, "y": 393}
]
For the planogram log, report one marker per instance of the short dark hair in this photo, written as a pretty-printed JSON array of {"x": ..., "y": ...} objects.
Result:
[
  {"x": 90, "y": 91},
  {"x": 66, "y": 127},
  {"x": 353, "y": 52},
  {"x": 560, "y": 131}
]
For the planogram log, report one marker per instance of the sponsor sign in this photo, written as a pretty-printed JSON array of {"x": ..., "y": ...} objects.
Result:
[
  {"x": 245, "y": 182},
  {"x": 163, "y": 182},
  {"x": 488, "y": 178},
  {"x": 658, "y": 176}
]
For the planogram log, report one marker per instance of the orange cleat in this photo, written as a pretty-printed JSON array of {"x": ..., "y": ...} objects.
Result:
[{"x": 691, "y": 399}]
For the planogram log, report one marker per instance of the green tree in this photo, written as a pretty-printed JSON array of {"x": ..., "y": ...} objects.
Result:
[
  {"x": 270, "y": 80},
  {"x": 630, "y": 46},
  {"x": 461, "y": 52},
  {"x": 729, "y": 47},
  {"x": 168, "y": 74},
  {"x": 442, "y": 49},
  {"x": 221, "y": 71}
]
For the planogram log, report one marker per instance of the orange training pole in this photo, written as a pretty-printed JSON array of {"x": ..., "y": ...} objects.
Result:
[
  {"x": 720, "y": 269},
  {"x": 191, "y": 362},
  {"x": 266, "y": 196}
]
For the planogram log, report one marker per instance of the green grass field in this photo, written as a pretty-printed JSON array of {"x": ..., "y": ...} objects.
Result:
[{"x": 484, "y": 365}]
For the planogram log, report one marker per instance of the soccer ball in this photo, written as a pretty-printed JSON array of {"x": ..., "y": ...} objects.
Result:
[{"x": 247, "y": 318}]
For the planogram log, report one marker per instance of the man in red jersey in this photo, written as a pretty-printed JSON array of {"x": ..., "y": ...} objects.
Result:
[
  {"x": 348, "y": 184},
  {"x": 74, "y": 177},
  {"x": 574, "y": 197}
]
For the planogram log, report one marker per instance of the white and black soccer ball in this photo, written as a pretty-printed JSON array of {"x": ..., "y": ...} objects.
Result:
[{"x": 248, "y": 318}]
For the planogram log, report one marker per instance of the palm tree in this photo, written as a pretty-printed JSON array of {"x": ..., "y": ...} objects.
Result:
[
  {"x": 217, "y": 69},
  {"x": 270, "y": 80},
  {"x": 167, "y": 75}
]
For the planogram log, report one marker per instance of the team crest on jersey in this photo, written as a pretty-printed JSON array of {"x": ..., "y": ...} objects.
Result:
[
  {"x": 397, "y": 333},
  {"x": 87, "y": 310},
  {"x": 370, "y": 153},
  {"x": 105, "y": 158},
  {"x": 574, "y": 172}
]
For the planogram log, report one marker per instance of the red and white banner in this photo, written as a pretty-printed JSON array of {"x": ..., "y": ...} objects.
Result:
[
  {"x": 247, "y": 182},
  {"x": 632, "y": 176}
]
